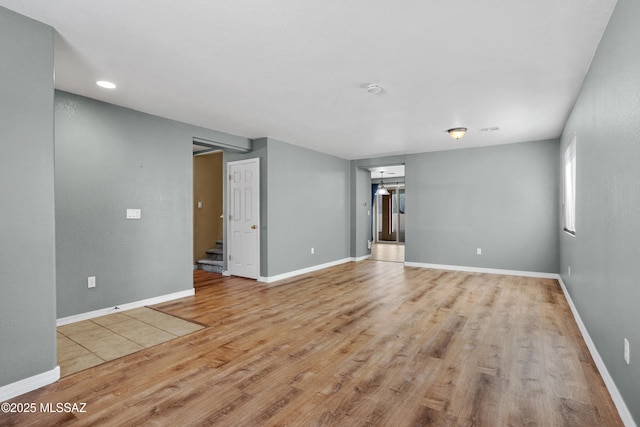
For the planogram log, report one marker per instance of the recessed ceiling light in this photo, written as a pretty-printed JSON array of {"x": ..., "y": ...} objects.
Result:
[{"x": 105, "y": 84}]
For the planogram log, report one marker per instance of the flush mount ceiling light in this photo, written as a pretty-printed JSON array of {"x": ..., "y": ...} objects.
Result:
[
  {"x": 374, "y": 89},
  {"x": 381, "y": 191},
  {"x": 105, "y": 84},
  {"x": 457, "y": 133}
]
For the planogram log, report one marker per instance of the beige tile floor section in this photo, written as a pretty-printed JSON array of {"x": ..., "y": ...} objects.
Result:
[
  {"x": 88, "y": 343},
  {"x": 387, "y": 252}
]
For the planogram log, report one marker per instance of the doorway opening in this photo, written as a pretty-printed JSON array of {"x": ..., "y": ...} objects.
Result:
[
  {"x": 208, "y": 211},
  {"x": 388, "y": 213}
]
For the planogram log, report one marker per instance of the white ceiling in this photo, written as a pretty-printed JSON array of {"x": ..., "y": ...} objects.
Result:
[{"x": 295, "y": 70}]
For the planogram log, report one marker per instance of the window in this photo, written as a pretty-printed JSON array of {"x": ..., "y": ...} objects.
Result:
[{"x": 570, "y": 188}]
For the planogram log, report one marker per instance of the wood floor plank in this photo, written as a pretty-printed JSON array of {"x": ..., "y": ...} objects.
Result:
[{"x": 367, "y": 343}]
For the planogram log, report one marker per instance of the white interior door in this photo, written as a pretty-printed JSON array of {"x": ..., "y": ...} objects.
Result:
[{"x": 243, "y": 230}]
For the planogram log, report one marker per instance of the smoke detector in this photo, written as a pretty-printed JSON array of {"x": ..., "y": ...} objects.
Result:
[{"x": 374, "y": 89}]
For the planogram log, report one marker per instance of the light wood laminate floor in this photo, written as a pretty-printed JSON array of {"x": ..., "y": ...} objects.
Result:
[{"x": 368, "y": 343}]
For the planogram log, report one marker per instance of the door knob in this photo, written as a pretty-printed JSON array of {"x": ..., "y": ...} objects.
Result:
[{"x": 253, "y": 227}]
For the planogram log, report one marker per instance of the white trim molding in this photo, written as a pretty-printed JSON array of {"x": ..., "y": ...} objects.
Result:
[
  {"x": 26, "y": 385},
  {"x": 302, "y": 271},
  {"x": 483, "y": 270},
  {"x": 128, "y": 306},
  {"x": 623, "y": 411}
]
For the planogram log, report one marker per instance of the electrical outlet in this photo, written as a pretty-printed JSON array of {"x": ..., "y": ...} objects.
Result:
[
  {"x": 479, "y": 251},
  {"x": 134, "y": 214},
  {"x": 313, "y": 251},
  {"x": 627, "y": 351},
  {"x": 91, "y": 282}
]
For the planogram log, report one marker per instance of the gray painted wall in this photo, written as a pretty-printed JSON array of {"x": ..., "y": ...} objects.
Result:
[
  {"x": 503, "y": 199},
  {"x": 605, "y": 272},
  {"x": 27, "y": 247},
  {"x": 360, "y": 211},
  {"x": 308, "y": 205},
  {"x": 109, "y": 159}
]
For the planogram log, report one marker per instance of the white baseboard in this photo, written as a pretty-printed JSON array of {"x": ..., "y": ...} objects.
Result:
[
  {"x": 361, "y": 258},
  {"x": 627, "y": 419},
  {"x": 26, "y": 385},
  {"x": 128, "y": 306},
  {"x": 483, "y": 270},
  {"x": 302, "y": 271}
]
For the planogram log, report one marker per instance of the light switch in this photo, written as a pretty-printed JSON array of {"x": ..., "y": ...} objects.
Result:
[
  {"x": 199, "y": 205},
  {"x": 134, "y": 213}
]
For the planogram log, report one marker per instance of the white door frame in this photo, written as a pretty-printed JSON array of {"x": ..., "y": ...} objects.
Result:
[{"x": 243, "y": 235}]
